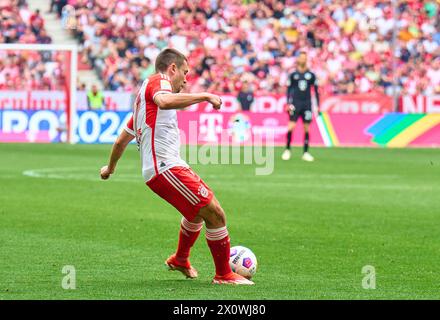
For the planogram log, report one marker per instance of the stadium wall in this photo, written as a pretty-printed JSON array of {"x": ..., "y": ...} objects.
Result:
[
  {"x": 122, "y": 101},
  {"x": 350, "y": 120},
  {"x": 384, "y": 130}
]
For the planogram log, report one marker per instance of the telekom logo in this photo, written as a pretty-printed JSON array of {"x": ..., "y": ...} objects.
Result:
[{"x": 210, "y": 125}]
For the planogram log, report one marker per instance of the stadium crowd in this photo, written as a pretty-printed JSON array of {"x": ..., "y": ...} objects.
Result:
[
  {"x": 31, "y": 70},
  {"x": 19, "y": 70},
  {"x": 230, "y": 42}
]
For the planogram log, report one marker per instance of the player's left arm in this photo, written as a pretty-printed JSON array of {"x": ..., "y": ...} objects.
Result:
[
  {"x": 117, "y": 150},
  {"x": 290, "y": 89},
  {"x": 290, "y": 93},
  {"x": 316, "y": 88}
]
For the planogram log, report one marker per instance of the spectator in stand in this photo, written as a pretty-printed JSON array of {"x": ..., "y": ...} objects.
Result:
[
  {"x": 433, "y": 75},
  {"x": 95, "y": 99},
  {"x": 59, "y": 4},
  {"x": 43, "y": 37},
  {"x": 36, "y": 22},
  {"x": 146, "y": 69},
  {"x": 245, "y": 97}
]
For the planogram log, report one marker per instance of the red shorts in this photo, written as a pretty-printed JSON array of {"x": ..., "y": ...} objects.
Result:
[{"x": 182, "y": 188}]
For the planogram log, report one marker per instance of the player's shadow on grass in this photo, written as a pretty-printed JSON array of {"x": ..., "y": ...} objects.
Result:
[
  {"x": 189, "y": 286},
  {"x": 176, "y": 283}
]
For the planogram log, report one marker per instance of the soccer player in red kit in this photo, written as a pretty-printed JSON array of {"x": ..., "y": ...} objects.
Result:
[{"x": 154, "y": 125}]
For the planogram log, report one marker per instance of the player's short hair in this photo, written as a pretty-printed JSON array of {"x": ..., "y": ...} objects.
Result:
[
  {"x": 302, "y": 52},
  {"x": 167, "y": 57}
]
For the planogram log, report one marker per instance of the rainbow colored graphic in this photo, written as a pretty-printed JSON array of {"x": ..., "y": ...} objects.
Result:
[
  {"x": 398, "y": 130},
  {"x": 327, "y": 130}
]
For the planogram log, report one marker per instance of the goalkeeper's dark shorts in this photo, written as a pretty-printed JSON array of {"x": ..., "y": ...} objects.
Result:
[{"x": 302, "y": 110}]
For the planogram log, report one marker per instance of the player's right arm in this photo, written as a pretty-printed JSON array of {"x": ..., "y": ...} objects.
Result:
[
  {"x": 290, "y": 91},
  {"x": 316, "y": 88},
  {"x": 118, "y": 149},
  {"x": 183, "y": 100}
]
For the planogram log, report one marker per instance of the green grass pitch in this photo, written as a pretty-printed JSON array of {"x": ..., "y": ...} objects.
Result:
[{"x": 312, "y": 226}]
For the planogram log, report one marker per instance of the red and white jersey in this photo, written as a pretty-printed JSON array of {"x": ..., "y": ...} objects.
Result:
[{"x": 156, "y": 130}]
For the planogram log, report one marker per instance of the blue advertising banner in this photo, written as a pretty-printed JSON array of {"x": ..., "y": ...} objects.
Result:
[{"x": 47, "y": 126}]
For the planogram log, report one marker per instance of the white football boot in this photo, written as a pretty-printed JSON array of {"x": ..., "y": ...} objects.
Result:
[
  {"x": 307, "y": 157},
  {"x": 286, "y": 155}
]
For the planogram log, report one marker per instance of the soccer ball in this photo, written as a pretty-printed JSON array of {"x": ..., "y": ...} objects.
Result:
[{"x": 243, "y": 261}]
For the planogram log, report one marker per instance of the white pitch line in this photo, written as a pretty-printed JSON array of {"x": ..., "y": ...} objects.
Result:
[
  {"x": 308, "y": 176},
  {"x": 71, "y": 173}
]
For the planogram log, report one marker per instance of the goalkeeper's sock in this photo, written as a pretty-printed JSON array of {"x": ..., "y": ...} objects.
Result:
[
  {"x": 219, "y": 244},
  {"x": 289, "y": 139},
  {"x": 189, "y": 232},
  {"x": 306, "y": 142}
]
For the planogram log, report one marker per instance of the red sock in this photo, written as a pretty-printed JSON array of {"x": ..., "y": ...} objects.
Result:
[
  {"x": 218, "y": 242},
  {"x": 188, "y": 235}
]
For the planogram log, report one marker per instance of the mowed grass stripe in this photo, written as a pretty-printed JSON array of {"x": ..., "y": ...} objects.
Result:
[{"x": 313, "y": 226}]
